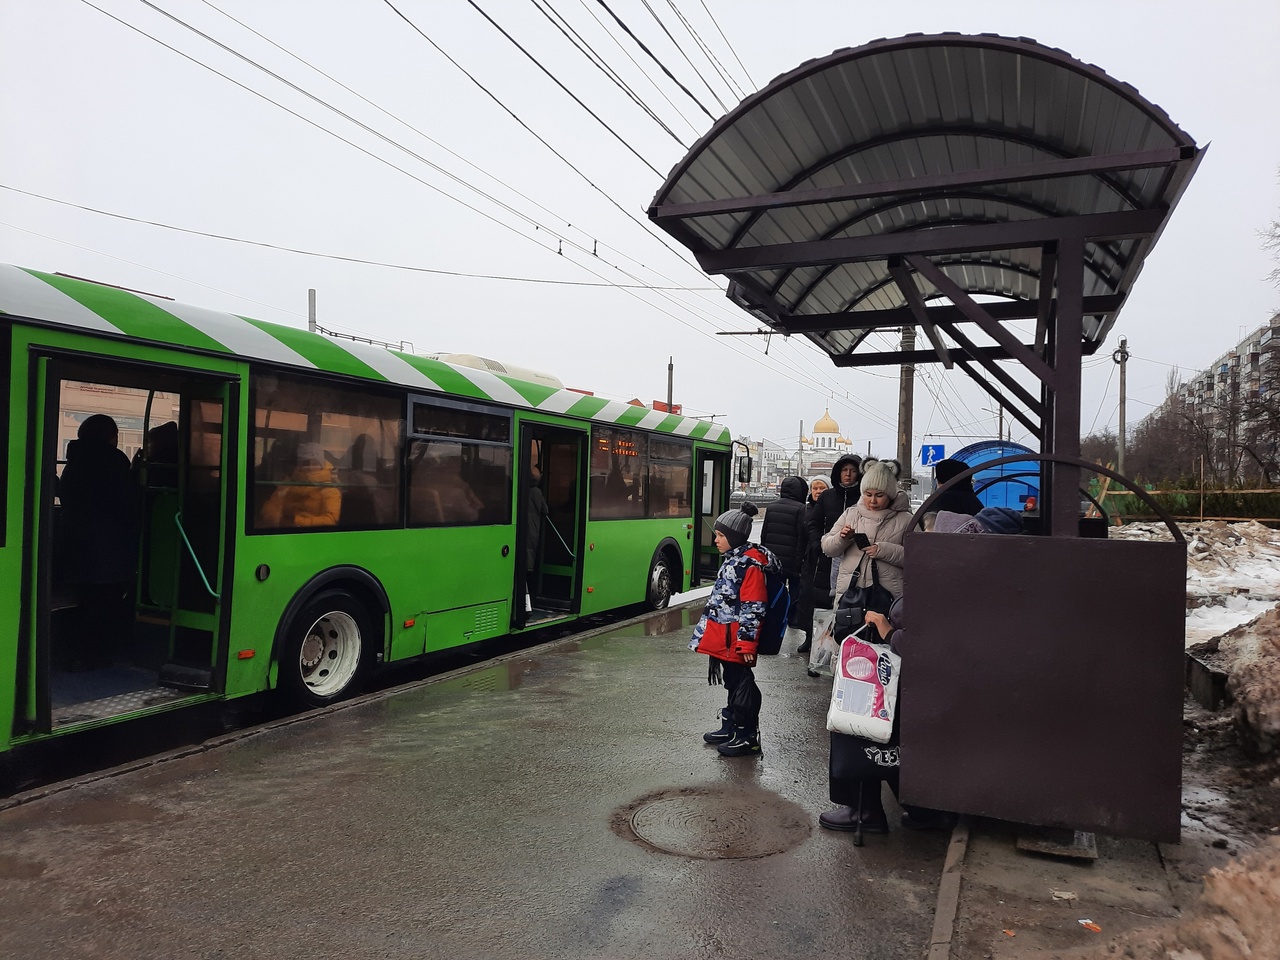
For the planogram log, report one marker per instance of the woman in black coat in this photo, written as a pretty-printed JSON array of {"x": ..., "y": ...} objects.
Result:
[{"x": 844, "y": 492}]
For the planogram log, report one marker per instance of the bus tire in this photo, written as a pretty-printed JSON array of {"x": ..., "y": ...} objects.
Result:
[
  {"x": 659, "y": 590},
  {"x": 326, "y": 650}
]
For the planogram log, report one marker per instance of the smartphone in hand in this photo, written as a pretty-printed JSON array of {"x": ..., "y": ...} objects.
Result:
[{"x": 860, "y": 541}]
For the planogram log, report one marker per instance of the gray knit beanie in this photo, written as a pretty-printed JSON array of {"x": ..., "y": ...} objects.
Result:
[
  {"x": 881, "y": 477},
  {"x": 736, "y": 524}
]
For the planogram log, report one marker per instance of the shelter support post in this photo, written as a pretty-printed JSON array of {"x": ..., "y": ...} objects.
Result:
[{"x": 1064, "y": 393}]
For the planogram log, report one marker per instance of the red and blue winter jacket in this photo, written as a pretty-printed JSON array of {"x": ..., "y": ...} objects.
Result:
[{"x": 730, "y": 626}]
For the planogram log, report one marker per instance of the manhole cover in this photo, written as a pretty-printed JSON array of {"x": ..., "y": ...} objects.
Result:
[{"x": 719, "y": 824}]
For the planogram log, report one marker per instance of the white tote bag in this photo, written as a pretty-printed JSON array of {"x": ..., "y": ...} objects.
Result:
[{"x": 864, "y": 694}]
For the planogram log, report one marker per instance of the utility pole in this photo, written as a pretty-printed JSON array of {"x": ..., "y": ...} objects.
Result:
[
  {"x": 800, "y": 452},
  {"x": 311, "y": 310},
  {"x": 670, "y": 376},
  {"x": 1121, "y": 356},
  {"x": 906, "y": 390}
]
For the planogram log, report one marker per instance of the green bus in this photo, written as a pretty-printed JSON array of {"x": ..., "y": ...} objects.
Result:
[{"x": 200, "y": 506}]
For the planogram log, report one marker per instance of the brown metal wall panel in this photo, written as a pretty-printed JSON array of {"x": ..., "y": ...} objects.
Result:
[{"x": 1042, "y": 681}]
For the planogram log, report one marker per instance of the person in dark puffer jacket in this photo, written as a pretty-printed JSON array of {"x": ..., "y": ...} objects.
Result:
[
  {"x": 783, "y": 531},
  {"x": 844, "y": 492}
]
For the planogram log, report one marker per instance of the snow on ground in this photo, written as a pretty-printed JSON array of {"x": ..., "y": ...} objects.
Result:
[{"x": 1233, "y": 571}]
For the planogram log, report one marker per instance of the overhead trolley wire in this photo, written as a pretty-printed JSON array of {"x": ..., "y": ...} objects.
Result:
[
  {"x": 627, "y": 288},
  {"x": 425, "y": 136},
  {"x": 662, "y": 237},
  {"x": 596, "y": 60},
  {"x": 326, "y": 130},
  {"x": 338, "y": 136},
  {"x": 711, "y": 16},
  {"x": 338, "y": 256},
  {"x": 591, "y": 12},
  {"x": 675, "y": 43},
  {"x": 707, "y": 52},
  {"x": 660, "y": 64},
  {"x": 500, "y": 203},
  {"x": 556, "y": 80}
]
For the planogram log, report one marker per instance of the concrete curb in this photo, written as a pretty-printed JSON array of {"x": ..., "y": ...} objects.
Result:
[{"x": 948, "y": 906}]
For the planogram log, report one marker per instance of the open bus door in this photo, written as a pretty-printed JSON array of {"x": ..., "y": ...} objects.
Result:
[
  {"x": 95, "y": 651},
  {"x": 550, "y": 519},
  {"x": 711, "y": 499}
]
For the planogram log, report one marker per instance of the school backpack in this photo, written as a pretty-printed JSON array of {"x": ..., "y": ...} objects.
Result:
[{"x": 774, "y": 625}]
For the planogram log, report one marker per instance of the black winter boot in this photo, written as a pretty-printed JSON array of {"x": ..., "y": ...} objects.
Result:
[
  {"x": 745, "y": 743},
  {"x": 725, "y": 733}
]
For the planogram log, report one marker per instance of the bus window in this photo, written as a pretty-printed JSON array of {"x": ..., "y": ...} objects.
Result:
[
  {"x": 325, "y": 456},
  {"x": 670, "y": 468},
  {"x": 619, "y": 461},
  {"x": 460, "y": 465}
]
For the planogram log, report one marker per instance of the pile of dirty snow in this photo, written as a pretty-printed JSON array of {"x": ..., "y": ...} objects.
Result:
[{"x": 1233, "y": 571}]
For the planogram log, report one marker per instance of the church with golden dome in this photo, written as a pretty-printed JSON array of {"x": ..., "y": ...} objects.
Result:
[{"x": 825, "y": 446}]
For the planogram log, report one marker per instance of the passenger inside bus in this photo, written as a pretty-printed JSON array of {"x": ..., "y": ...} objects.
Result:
[
  {"x": 366, "y": 502},
  {"x": 311, "y": 498},
  {"x": 438, "y": 494},
  {"x": 97, "y": 549},
  {"x": 158, "y": 456}
]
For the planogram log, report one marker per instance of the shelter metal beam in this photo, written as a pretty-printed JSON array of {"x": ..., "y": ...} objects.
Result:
[
  {"x": 915, "y": 301},
  {"x": 1033, "y": 426},
  {"x": 973, "y": 310},
  {"x": 893, "y": 358},
  {"x": 1125, "y": 225},
  {"x": 996, "y": 371},
  {"x": 1039, "y": 170},
  {"x": 1048, "y": 277},
  {"x": 1064, "y": 412},
  {"x": 938, "y": 313}
]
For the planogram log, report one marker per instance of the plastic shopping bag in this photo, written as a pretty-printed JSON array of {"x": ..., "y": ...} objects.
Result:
[
  {"x": 825, "y": 650},
  {"x": 864, "y": 693}
]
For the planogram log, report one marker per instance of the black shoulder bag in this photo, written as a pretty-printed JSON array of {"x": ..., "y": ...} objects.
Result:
[{"x": 856, "y": 601}]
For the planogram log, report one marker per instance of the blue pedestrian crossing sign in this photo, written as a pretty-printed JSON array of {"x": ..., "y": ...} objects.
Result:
[{"x": 931, "y": 453}]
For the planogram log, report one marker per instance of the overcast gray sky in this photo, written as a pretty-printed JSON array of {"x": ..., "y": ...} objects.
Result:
[{"x": 437, "y": 185}]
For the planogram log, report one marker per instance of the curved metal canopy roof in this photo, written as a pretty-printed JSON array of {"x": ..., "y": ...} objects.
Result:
[{"x": 849, "y": 193}]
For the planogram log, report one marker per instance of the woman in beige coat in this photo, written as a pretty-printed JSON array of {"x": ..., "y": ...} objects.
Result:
[{"x": 883, "y": 515}]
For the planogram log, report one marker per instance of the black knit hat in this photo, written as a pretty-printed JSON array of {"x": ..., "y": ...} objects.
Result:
[{"x": 736, "y": 524}]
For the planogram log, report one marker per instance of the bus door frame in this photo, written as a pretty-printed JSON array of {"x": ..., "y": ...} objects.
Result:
[
  {"x": 710, "y": 499},
  {"x": 49, "y": 368},
  {"x": 534, "y": 438}
]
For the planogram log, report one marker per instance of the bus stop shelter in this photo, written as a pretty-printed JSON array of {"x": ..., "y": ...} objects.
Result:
[{"x": 1000, "y": 196}]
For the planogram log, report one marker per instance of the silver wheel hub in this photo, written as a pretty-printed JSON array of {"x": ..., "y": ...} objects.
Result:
[{"x": 330, "y": 653}]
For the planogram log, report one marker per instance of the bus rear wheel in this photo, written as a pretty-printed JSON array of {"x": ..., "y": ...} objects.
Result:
[
  {"x": 659, "y": 591},
  {"x": 326, "y": 650}
]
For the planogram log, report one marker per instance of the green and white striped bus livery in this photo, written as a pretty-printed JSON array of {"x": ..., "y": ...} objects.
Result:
[{"x": 199, "y": 506}]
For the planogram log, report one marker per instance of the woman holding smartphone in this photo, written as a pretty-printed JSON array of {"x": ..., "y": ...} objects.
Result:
[{"x": 871, "y": 529}]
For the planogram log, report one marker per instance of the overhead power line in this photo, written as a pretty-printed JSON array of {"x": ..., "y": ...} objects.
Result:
[
  {"x": 556, "y": 80},
  {"x": 583, "y": 47},
  {"x": 338, "y": 256},
  {"x": 660, "y": 64},
  {"x": 675, "y": 43}
]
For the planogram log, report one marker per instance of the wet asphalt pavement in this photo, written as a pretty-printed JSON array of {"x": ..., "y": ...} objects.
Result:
[{"x": 558, "y": 803}]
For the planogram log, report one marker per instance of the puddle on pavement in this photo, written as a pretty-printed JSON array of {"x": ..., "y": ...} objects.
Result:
[
  {"x": 501, "y": 676},
  {"x": 655, "y": 625}
]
